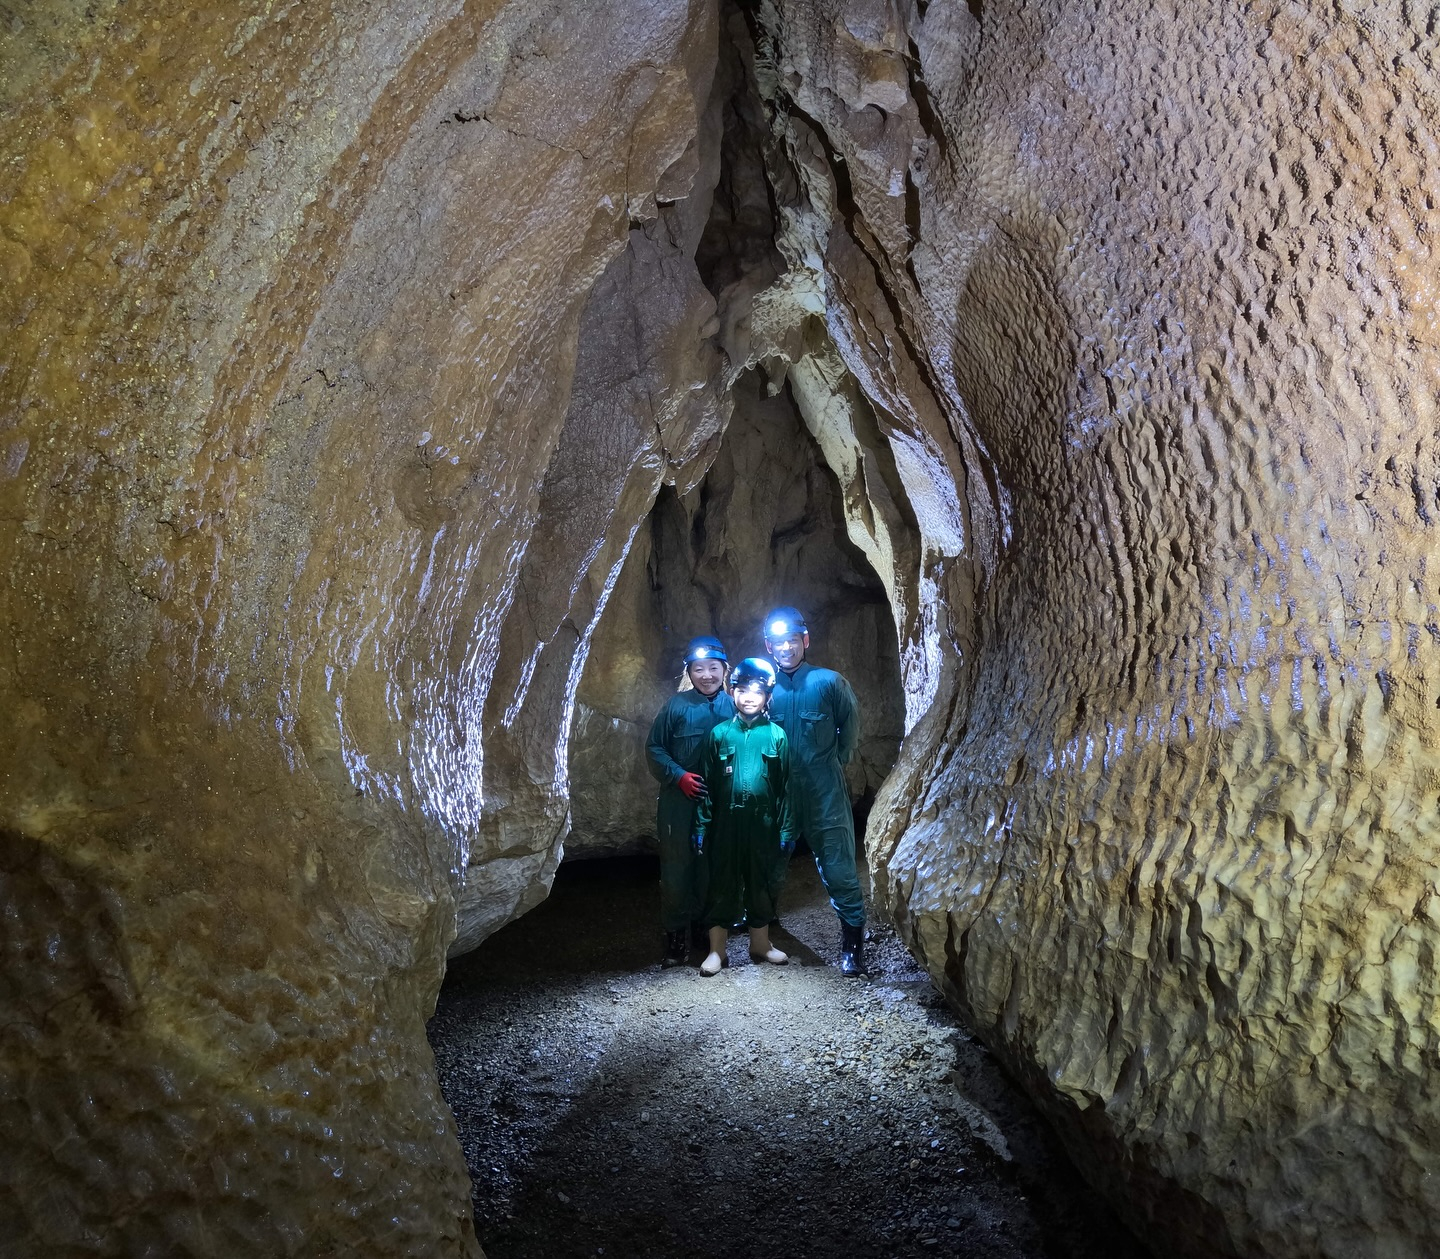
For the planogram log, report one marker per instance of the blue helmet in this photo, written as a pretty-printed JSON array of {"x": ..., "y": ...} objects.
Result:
[
  {"x": 705, "y": 648},
  {"x": 783, "y": 621},
  {"x": 752, "y": 670}
]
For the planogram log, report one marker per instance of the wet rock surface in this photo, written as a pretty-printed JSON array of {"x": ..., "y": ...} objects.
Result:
[
  {"x": 296, "y": 367},
  {"x": 608, "y": 1107}
]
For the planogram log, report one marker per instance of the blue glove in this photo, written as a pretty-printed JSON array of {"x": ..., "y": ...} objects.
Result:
[{"x": 698, "y": 839}]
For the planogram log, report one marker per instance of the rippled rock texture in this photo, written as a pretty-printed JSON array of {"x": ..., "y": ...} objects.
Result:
[
  {"x": 345, "y": 349},
  {"x": 317, "y": 462},
  {"x": 1143, "y": 299}
]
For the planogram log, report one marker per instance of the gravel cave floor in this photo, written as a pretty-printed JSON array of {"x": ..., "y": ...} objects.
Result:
[{"x": 608, "y": 1107}]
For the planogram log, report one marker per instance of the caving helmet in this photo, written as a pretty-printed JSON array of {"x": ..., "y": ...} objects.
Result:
[
  {"x": 783, "y": 621},
  {"x": 705, "y": 648},
  {"x": 753, "y": 670}
]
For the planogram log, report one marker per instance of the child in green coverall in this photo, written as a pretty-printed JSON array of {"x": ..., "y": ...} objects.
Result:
[{"x": 743, "y": 824}]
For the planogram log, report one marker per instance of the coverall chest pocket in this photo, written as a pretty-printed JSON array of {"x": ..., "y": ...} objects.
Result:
[
  {"x": 770, "y": 762},
  {"x": 685, "y": 748},
  {"x": 817, "y": 732}
]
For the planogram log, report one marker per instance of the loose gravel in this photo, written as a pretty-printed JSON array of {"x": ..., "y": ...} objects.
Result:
[{"x": 607, "y": 1107}]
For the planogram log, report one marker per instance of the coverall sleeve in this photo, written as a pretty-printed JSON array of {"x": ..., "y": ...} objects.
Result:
[
  {"x": 664, "y": 768},
  {"x": 704, "y": 809},
  {"x": 847, "y": 719},
  {"x": 787, "y": 815}
]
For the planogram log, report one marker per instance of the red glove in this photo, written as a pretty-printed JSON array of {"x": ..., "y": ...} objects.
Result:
[{"x": 692, "y": 785}]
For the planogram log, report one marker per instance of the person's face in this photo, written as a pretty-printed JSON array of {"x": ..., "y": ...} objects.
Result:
[
  {"x": 706, "y": 676},
  {"x": 788, "y": 651},
  {"x": 750, "y": 700}
]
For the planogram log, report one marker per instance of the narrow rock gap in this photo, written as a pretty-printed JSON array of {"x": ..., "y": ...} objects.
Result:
[{"x": 607, "y": 1107}]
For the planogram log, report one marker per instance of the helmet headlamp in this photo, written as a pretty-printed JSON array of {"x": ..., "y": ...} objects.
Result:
[{"x": 783, "y": 622}]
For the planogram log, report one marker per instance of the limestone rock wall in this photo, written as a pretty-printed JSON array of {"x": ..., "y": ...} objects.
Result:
[
  {"x": 293, "y": 301},
  {"x": 1140, "y": 296},
  {"x": 343, "y": 349}
]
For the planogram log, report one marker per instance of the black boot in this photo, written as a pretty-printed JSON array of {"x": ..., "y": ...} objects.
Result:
[
  {"x": 677, "y": 949},
  {"x": 852, "y": 950}
]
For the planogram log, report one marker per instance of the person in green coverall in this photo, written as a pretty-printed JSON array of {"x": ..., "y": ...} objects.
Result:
[
  {"x": 677, "y": 737},
  {"x": 744, "y": 821},
  {"x": 817, "y": 710}
]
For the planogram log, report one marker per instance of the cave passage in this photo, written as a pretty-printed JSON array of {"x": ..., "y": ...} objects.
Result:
[
  {"x": 607, "y": 1107},
  {"x": 764, "y": 528}
]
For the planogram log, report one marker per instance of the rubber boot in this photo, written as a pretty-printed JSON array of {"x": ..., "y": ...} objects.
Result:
[
  {"x": 716, "y": 958},
  {"x": 677, "y": 949},
  {"x": 852, "y": 950},
  {"x": 761, "y": 950}
]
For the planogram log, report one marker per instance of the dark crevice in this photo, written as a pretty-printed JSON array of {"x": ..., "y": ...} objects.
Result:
[{"x": 924, "y": 106}]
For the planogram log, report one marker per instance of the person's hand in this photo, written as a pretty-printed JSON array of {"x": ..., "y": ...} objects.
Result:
[
  {"x": 692, "y": 785},
  {"x": 698, "y": 839}
]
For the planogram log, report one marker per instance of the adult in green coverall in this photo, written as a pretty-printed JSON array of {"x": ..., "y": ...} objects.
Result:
[
  {"x": 677, "y": 737},
  {"x": 743, "y": 823},
  {"x": 819, "y": 714}
]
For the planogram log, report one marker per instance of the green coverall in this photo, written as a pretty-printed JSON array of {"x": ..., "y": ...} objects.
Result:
[
  {"x": 677, "y": 738},
  {"x": 818, "y": 711},
  {"x": 744, "y": 822}
]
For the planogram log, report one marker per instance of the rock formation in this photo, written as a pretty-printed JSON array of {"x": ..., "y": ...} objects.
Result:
[
  {"x": 302, "y": 523},
  {"x": 345, "y": 351},
  {"x": 1140, "y": 297}
]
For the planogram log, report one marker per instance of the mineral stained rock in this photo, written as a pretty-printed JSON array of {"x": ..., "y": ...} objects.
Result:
[
  {"x": 293, "y": 299},
  {"x": 344, "y": 350},
  {"x": 1142, "y": 298}
]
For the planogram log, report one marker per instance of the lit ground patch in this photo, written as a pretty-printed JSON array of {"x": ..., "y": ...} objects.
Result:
[{"x": 608, "y": 1107}]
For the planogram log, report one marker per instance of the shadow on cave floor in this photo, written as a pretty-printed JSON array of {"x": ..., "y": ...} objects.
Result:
[{"x": 607, "y": 1107}]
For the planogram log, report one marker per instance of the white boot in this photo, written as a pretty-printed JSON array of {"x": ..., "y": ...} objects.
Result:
[
  {"x": 762, "y": 950},
  {"x": 715, "y": 959}
]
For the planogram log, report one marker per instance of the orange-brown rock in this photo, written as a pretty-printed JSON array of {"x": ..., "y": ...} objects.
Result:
[{"x": 293, "y": 298}]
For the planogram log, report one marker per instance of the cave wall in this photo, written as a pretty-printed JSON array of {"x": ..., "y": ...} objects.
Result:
[
  {"x": 345, "y": 348},
  {"x": 300, "y": 365},
  {"x": 1140, "y": 297},
  {"x": 765, "y": 527}
]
